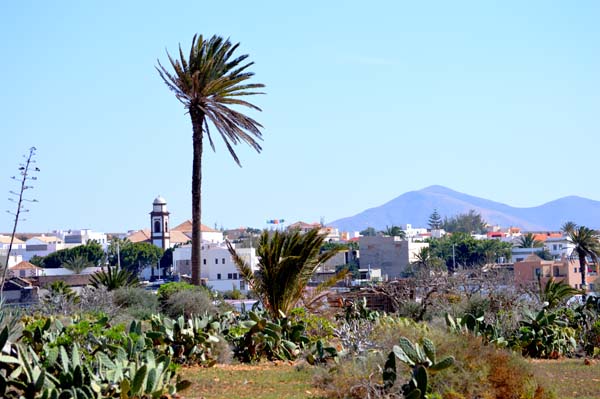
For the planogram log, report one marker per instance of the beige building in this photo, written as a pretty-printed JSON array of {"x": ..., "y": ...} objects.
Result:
[
  {"x": 390, "y": 254},
  {"x": 533, "y": 267}
]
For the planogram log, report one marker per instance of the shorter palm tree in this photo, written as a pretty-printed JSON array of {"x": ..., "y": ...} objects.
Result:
[
  {"x": 77, "y": 264},
  {"x": 528, "y": 241},
  {"x": 557, "y": 293},
  {"x": 287, "y": 261},
  {"x": 394, "y": 231},
  {"x": 114, "y": 278}
]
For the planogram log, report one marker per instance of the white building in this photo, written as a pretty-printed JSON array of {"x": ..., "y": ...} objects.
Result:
[
  {"x": 18, "y": 247},
  {"x": 413, "y": 232},
  {"x": 217, "y": 267},
  {"x": 73, "y": 238},
  {"x": 559, "y": 247},
  {"x": 42, "y": 246}
]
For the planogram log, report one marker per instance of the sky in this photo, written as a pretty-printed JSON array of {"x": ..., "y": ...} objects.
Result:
[{"x": 364, "y": 102}]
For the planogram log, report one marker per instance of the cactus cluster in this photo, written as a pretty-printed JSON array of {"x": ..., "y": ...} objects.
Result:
[
  {"x": 280, "y": 339},
  {"x": 421, "y": 358}
]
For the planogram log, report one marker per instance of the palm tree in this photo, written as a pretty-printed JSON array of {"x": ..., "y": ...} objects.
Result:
[
  {"x": 114, "y": 278},
  {"x": 556, "y": 293},
  {"x": 287, "y": 261},
  {"x": 587, "y": 245},
  {"x": 77, "y": 264},
  {"x": 394, "y": 231},
  {"x": 568, "y": 226},
  {"x": 208, "y": 83},
  {"x": 528, "y": 241}
]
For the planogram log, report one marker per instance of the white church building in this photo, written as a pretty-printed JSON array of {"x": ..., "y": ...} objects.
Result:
[{"x": 217, "y": 267}]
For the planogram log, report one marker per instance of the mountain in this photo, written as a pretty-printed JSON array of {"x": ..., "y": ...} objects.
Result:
[{"x": 415, "y": 207}]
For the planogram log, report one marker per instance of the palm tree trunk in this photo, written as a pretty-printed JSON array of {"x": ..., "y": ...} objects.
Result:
[
  {"x": 582, "y": 267},
  {"x": 197, "y": 122}
]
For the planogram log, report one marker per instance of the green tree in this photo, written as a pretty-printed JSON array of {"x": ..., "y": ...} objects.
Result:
[
  {"x": 368, "y": 232},
  {"x": 91, "y": 251},
  {"x": 287, "y": 261},
  {"x": 394, "y": 231},
  {"x": 466, "y": 251},
  {"x": 587, "y": 245},
  {"x": 470, "y": 222},
  {"x": 77, "y": 264},
  {"x": 208, "y": 83},
  {"x": 138, "y": 255},
  {"x": 435, "y": 220},
  {"x": 528, "y": 241}
]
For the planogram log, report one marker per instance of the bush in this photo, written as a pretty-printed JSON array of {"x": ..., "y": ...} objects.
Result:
[
  {"x": 188, "y": 302},
  {"x": 480, "y": 370},
  {"x": 233, "y": 294},
  {"x": 165, "y": 291},
  {"x": 139, "y": 303}
]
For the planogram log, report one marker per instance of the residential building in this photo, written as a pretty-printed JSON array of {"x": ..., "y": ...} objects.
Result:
[
  {"x": 413, "y": 232},
  {"x": 341, "y": 258},
  {"x": 73, "y": 238},
  {"x": 42, "y": 245},
  {"x": 533, "y": 269},
  {"x": 391, "y": 254},
  {"x": 217, "y": 268},
  {"x": 303, "y": 227},
  {"x": 24, "y": 269},
  {"x": 18, "y": 246}
]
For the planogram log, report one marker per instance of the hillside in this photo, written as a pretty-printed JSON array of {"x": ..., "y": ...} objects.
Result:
[{"x": 415, "y": 207}]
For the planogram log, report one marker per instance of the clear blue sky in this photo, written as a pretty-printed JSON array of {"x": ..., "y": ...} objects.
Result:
[{"x": 366, "y": 100}]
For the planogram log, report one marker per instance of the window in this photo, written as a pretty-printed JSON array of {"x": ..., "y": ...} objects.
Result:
[
  {"x": 218, "y": 276},
  {"x": 235, "y": 276},
  {"x": 216, "y": 261},
  {"x": 166, "y": 226},
  {"x": 242, "y": 285},
  {"x": 229, "y": 276},
  {"x": 204, "y": 261},
  {"x": 554, "y": 247},
  {"x": 157, "y": 226},
  {"x": 574, "y": 270},
  {"x": 222, "y": 261}
]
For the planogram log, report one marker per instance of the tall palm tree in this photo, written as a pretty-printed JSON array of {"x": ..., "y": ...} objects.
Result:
[
  {"x": 528, "y": 241},
  {"x": 208, "y": 82},
  {"x": 287, "y": 260},
  {"x": 587, "y": 245}
]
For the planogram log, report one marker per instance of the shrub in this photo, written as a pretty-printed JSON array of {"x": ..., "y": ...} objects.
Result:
[
  {"x": 138, "y": 302},
  {"x": 233, "y": 294},
  {"x": 480, "y": 370},
  {"x": 165, "y": 291},
  {"x": 188, "y": 302}
]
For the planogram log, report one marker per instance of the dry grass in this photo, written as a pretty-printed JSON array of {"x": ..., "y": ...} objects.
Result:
[
  {"x": 569, "y": 378},
  {"x": 261, "y": 381}
]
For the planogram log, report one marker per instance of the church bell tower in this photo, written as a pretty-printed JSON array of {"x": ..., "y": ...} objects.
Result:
[{"x": 159, "y": 224}]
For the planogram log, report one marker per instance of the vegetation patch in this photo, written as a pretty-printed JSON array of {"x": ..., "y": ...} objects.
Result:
[{"x": 260, "y": 381}]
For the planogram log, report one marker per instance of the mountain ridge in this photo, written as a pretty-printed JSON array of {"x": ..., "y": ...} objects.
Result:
[{"x": 415, "y": 207}]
